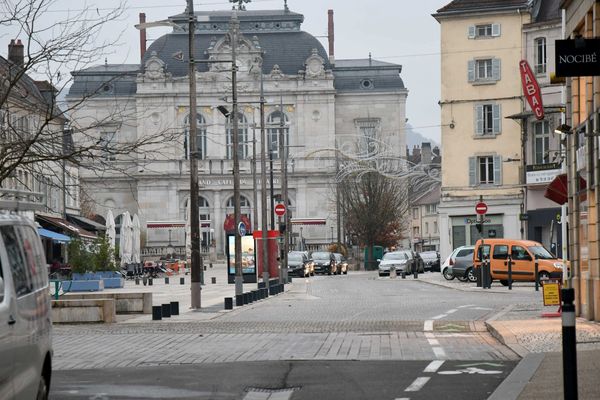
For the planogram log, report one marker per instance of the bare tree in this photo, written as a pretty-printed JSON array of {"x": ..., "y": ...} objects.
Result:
[{"x": 36, "y": 135}]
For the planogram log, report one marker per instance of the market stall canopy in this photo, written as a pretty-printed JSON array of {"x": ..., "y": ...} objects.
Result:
[
  {"x": 557, "y": 189},
  {"x": 55, "y": 236}
]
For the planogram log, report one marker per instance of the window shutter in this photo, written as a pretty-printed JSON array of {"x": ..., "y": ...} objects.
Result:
[
  {"x": 479, "y": 120},
  {"x": 472, "y": 171},
  {"x": 472, "y": 32},
  {"x": 496, "y": 110},
  {"x": 471, "y": 71},
  {"x": 495, "y": 29},
  {"x": 496, "y": 69},
  {"x": 497, "y": 170}
]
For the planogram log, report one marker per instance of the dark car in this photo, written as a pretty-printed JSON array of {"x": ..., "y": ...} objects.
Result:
[
  {"x": 298, "y": 264},
  {"x": 431, "y": 260},
  {"x": 462, "y": 265},
  {"x": 324, "y": 262},
  {"x": 341, "y": 265}
]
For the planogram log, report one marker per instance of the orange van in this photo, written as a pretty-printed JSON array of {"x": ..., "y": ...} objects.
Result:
[{"x": 522, "y": 254}]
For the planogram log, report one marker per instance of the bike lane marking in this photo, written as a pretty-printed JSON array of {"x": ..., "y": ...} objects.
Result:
[{"x": 418, "y": 384}]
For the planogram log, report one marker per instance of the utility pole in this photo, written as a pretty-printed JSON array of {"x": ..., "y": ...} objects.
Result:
[
  {"x": 196, "y": 286},
  {"x": 253, "y": 167},
  {"x": 284, "y": 195},
  {"x": 263, "y": 184},
  {"x": 271, "y": 186},
  {"x": 337, "y": 197},
  {"x": 233, "y": 37}
]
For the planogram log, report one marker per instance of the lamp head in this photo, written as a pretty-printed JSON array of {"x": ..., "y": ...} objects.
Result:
[
  {"x": 223, "y": 110},
  {"x": 564, "y": 128}
]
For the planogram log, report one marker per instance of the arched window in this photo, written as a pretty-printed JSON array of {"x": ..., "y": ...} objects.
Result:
[
  {"x": 200, "y": 134},
  {"x": 242, "y": 137},
  {"x": 203, "y": 208},
  {"x": 274, "y": 123},
  {"x": 245, "y": 208}
]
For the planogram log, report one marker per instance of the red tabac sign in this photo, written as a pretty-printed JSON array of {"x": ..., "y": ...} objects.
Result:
[{"x": 531, "y": 89}]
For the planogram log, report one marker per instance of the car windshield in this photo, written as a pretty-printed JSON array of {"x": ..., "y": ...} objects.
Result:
[
  {"x": 541, "y": 253},
  {"x": 395, "y": 256},
  {"x": 295, "y": 257},
  {"x": 320, "y": 256}
]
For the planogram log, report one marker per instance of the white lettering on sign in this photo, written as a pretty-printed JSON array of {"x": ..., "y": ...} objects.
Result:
[{"x": 579, "y": 58}]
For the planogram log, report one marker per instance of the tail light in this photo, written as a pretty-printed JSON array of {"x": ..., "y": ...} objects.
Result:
[{"x": 451, "y": 261}]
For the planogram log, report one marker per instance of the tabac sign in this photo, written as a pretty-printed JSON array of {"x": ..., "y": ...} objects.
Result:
[
  {"x": 577, "y": 57},
  {"x": 531, "y": 89}
]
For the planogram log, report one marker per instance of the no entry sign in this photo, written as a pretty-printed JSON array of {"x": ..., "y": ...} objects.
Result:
[
  {"x": 280, "y": 209},
  {"x": 481, "y": 208}
]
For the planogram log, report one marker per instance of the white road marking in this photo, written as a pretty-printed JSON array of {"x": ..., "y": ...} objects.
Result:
[
  {"x": 439, "y": 316},
  {"x": 402, "y": 398},
  {"x": 467, "y": 305},
  {"x": 451, "y": 311},
  {"x": 417, "y": 384},
  {"x": 434, "y": 366},
  {"x": 428, "y": 326},
  {"x": 439, "y": 352},
  {"x": 279, "y": 395},
  {"x": 470, "y": 371},
  {"x": 431, "y": 339}
]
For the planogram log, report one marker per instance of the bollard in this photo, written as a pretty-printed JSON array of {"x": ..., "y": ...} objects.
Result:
[
  {"x": 213, "y": 280},
  {"x": 487, "y": 281},
  {"x": 509, "y": 273},
  {"x": 265, "y": 292},
  {"x": 149, "y": 281},
  {"x": 182, "y": 281},
  {"x": 205, "y": 267},
  {"x": 416, "y": 272},
  {"x": 228, "y": 303},
  {"x": 536, "y": 275},
  {"x": 261, "y": 285},
  {"x": 174, "y": 308},
  {"x": 137, "y": 280},
  {"x": 245, "y": 298},
  {"x": 403, "y": 274},
  {"x": 166, "y": 310},
  {"x": 156, "y": 313},
  {"x": 210, "y": 265},
  {"x": 144, "y": 280},
  {"x": 255, "y": 295},
  {"x": 569, "y": 344},
  {"x": 478, "y": 275},
  {"x": 239, "y": 300},
  {"x": 166, "y": 280}
]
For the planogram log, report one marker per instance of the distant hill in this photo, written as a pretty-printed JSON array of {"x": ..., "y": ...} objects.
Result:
[{"x": 415, "y": 138}]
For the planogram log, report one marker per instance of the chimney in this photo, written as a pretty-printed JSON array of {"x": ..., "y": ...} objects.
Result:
[
  {"x": 426, "y": 154},
  {"x": 16, "y": 52},
  {"x": 142, "y": 37},
  {"x": 330, "y": 36}
]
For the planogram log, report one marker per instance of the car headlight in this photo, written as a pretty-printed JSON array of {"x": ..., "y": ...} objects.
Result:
[{"x": 559, "y": 265}]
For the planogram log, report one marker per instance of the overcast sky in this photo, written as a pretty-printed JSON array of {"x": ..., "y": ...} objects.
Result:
[{"x": 397, "y": 31}]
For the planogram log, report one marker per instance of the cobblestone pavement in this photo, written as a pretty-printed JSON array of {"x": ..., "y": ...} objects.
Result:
[{"x": 353, "y": 317}]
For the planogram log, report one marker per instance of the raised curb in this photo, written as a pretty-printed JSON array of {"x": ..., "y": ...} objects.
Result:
[
  {"x": 505, "y": 336},
  {"x": 512, "y": 387}
]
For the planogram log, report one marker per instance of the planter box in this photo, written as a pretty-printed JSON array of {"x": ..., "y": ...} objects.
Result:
[
  {"x": 88, "y": 310},
  {"x": 111, "y": 283},
  {"x": 126, "y": 303},
  {"x": 82, "y": 286}
]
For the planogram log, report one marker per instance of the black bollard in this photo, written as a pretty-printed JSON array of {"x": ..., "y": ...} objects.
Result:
[
  {"x": 210, "y": 265},
  {"x": 137, "y": 280},
  {"x": 239, "y": 300},
  {"x": 228, "y": 303},
  {"x": 174, "y": 308},
  {"x": 166, "y": 310},
  {"x": 182, "y": 281},
  {"x": 166, "y": 280},
  {"x": 265, "y": 292},
  {"x": 509, "y": 261},
  {"x": 156, "y": 313},
  {"x": 213, "y": 280},
  {"x": 149, "y": 281},
  {"x": 205, "y": 267},
  {"x": 245, "y": 298},
  {"x": 569, "y": 345},
  {"x": 261, "y": 285},
  {"x": 536, "y": 275},
  {"x": 144, "y": 280},
  {"x": 416, "y": 273},
  {"x": 478, "y": 275},
  {"x": 403, "y": 274}
]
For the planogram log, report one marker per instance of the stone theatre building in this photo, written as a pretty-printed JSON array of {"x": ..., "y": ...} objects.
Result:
[{"x": 325, "y": 103}]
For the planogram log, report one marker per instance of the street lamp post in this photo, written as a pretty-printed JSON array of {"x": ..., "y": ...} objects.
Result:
[
  {"x": 263, "y": 184},
  {"x": 284, "y": 194}
]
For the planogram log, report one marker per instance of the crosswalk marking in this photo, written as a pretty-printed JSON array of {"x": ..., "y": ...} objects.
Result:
[{"x": 417, "y": 384}]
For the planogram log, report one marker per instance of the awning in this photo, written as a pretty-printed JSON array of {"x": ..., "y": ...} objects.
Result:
[
  {"x": 55, "y": 236},
  {"x": 66, "y": 226},
  {"x": 557, "y": 189},
  {"x": 308, "y": 221},
  {"x": 86, "y": 222}
]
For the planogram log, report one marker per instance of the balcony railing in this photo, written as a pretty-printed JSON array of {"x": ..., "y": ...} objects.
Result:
[{"x": 22, "y": 200}]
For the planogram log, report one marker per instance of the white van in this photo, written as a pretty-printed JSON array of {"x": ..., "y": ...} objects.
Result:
[{"x": 25, "y": 323}]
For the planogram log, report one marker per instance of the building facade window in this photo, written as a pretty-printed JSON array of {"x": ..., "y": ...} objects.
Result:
[
  {"x": 200, "y": 137},
  {"x": 487, "y": 119},
  {"x": 274, "y": 123},
  {"x": 242, "y": 137},
  {"x": 435, "y": 227},
  {"x": 540, "y": 55},
  {"x": 426, "y": 227},
  {"x": 245, "y": 208},
  {"x": 415, "y": 231},
  {"x": 106, "y": 143},
  {"x": 368, "y": 129},
  {"x": 431, "y": 208},
  {"x": 484, "y": 70},
  {"x": 483, "y": 31},
  {"x": 485, "y": 170},
  {"x": 415, "y": 213},
  {"x": 541, "y": 142}
]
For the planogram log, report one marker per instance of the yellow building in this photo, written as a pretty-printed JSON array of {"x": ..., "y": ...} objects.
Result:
[
  {"x": 481, "y": 46},
  {"x": 582, "y": 21}
]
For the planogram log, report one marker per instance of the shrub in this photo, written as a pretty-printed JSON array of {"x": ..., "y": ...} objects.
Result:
[
  {"x": 102, "y": 255},
  {"x": 80, "y": 258}
]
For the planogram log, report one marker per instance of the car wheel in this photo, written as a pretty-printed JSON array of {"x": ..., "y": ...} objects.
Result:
[
  {"x": 543, "y": 275},
  {"x": 42, "y": 393},
  {"x": 504, "y": 282},
  {"x": 462, "y": 278},
  {"x": 471, "y": 275},
  {"x": 448, "y": 275},
  {"x": 346, "y": 272}
]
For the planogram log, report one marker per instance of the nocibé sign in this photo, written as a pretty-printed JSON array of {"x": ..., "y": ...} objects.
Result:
[
  {"x": 531, "y": 89},
  {"x": 577, "y": 57}
]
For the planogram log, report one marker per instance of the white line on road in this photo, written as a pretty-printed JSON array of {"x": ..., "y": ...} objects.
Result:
[
  {"x": 431, "y": 339},
  {"x": 428, "y": 326},
  {"x": 451, "y": 311},
  {"x": 417, "y": 384},
  {"x": 439, "y": 316},
  {"x": 439, "y": 352},
  {"x": 434, "y": 366},
  {"x": 468, "y": 305}
]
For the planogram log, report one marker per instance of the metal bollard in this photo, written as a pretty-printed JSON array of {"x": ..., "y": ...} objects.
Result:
[
  {"x": 245, "y": 296},
  {"x": 569, "y": 345},
  {"x": 166, "y": 280},
  {"x": 156, "y": 313},
  {"x": 403, "y": 274},
  {"x": 509, "y": 261},
  {"x": 484, "y": 274},
  {"x": 266, "y": 292},
  {"x": 205, "y": 267},
  {"x": 239, "y": 300},
  {"x": 137, "y": 280},
  {"x": 228, "y": 303},
  {"x": 166, "y": 310},
  {"x": 213, "y": 280},
  {"x": 144, "y": 280},
  {"x": 416, "y": 273},
  {"x": 174, "y": 308},
  {"x": 149, "y": 281},
  {"x": 182, "y": 281},
  {"x": 536, "y": 275}
]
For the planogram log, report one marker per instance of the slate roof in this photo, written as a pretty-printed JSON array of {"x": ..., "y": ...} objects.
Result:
[
  {"x": 549, "y": 10},
  {"x": 106, "y": 80},
  {"x": 431, "y": 197},
  {"x": 363, "y": 75},
  {"x": 469, "y": 6}
]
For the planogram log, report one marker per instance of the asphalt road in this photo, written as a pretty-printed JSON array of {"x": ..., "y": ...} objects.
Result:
[{"x": 297, "y": 380}]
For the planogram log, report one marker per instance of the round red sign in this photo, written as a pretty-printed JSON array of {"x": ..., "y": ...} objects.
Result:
[
  {"x": 280, "y": 209},
  {"x": 481, "y": 208}
]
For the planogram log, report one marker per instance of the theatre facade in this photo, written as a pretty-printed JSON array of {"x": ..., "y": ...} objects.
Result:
[{"x": 322, "y": 104}]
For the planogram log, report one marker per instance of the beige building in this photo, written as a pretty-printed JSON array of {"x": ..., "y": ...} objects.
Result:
[{"x": 481, "y": 46}]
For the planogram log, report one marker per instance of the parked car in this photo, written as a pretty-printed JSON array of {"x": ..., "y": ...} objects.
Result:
[
  {"x": 397, "y": 261},
  {"x": 341, "y": 264},
  {"x": 522, "y": 254},
  {"x": 431, "y": 260},
  {"x": 462, "y": 266},
  {"x": 298, "y": 264},
  {"x": 310, "y": 260},
  {"x": 465, "y": 253},
  {"x": 324, "y": 262},
  {"x": 25, "y": 313}
]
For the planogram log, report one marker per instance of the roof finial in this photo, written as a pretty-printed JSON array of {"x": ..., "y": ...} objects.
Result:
[
  {"x": 285, "y": 6},
  {"x": 369, "y": 59},
  {"x": 240, "y": 4},
  {"x": 105, "y": 61}
]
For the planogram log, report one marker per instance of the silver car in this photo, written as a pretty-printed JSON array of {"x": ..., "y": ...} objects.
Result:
[
  {"x": 25, "y": 324},
  {"x": 398, "y": 261}
]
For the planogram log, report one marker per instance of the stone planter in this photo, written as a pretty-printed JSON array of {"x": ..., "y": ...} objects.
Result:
[{"x": 87, "y": 285}]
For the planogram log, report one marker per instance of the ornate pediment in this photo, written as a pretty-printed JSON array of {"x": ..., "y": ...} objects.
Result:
[
  {"x": 276, "y": 72},
  {"x": 154, "y": 68},
  {"x": 315, "y": 66},
  {"x": 248, "y": 53}
]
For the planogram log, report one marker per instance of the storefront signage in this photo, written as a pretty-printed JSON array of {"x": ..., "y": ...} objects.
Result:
[
  {"x": 471, "y": 221},
  {"x": 229, "y": 182},
  {"x": 577, "y": 57},
  {"x": 542, "y": 173},
  {"x": 531, "y": 89}
]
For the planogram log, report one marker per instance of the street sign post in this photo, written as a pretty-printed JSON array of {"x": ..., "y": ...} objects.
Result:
[
  {"x": 481, "y": 208},
  {"x": 280, "y": 209},
  {"x": 242, "y": 229}
]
